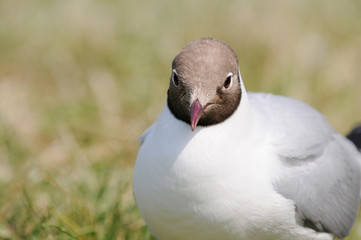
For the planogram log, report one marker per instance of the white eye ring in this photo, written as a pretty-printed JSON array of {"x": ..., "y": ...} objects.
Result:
[
  {"x": 175, "y": 79},
  {"x": 229, "y": 81}
]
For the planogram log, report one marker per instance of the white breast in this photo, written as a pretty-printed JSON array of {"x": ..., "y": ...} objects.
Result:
[{"x": 188, "y": 186}]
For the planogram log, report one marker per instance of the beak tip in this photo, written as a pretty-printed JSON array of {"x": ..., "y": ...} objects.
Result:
[{"x": 196, "y": 113}]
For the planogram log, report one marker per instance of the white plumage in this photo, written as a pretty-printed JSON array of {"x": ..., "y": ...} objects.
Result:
[{"x": 259, "y": 175}]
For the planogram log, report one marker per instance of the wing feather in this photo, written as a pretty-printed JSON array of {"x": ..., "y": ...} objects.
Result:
[
  {"x": 321, "y": 170},
  {"x": 145, "y": 134}
]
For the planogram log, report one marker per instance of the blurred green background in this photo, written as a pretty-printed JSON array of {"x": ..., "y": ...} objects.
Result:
[{"x": 80, "y": 80}]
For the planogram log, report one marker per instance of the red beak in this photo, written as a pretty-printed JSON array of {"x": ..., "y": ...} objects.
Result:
[{"x": 196, "y": 113}]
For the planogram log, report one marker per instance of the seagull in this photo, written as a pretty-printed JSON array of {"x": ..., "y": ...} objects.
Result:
[{"x": 223, "y": 163}]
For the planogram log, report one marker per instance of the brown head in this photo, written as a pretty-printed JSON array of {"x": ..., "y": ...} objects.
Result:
[{"x": 204, "y": 86}]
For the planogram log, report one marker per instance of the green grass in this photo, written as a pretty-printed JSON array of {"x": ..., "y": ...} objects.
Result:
[{"x": 81, "y": 80}]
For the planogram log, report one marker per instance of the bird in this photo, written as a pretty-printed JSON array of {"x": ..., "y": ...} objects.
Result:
[{"x": 224, "y": 163}]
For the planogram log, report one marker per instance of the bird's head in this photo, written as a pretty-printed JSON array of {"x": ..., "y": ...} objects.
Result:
[{"x": 205, "y": 85}]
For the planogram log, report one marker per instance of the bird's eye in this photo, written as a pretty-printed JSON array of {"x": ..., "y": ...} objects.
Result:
[
  {"x": 229, "y": 80},
  {"x": 175, "y": 79}
]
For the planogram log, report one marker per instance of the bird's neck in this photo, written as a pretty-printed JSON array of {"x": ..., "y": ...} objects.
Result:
[
  {"x": 237, "y": 127},
  {"x": 240, "y": 124}
]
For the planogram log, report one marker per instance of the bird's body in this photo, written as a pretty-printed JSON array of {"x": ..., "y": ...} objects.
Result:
[{"x": 272, "y": 170}]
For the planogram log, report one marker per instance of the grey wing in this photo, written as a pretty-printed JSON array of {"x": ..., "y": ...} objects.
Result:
[
  {"x": 146, "y": 133},
  {"x": 325, "y": 189},
  {"x": 292, "y": 127},
  {"x": 321, "y": 169}
]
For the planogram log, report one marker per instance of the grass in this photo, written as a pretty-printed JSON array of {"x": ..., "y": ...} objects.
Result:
[{"x": 80, "y": 81}]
